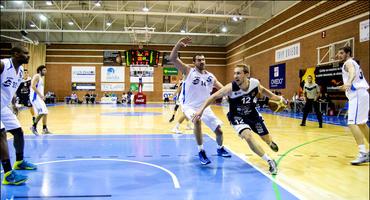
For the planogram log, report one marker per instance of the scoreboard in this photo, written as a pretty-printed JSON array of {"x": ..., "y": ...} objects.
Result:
[{"x": 142, "y": 57}]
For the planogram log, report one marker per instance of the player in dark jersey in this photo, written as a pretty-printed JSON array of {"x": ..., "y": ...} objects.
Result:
[
  {"x": 23, "y": 93},
  {"x": 243, "y": 114}
]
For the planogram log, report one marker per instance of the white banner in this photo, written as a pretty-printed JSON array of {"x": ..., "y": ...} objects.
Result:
[
  {"x": 83, "y": 74},
  {"x": 112, "y": 74},
  {"x": 364, "y": 30},
  {"x": 145, "y": 72},
  {"x": 287, "y": 53},
  {"x": 113, "y": 87},
  {"x": 148, "y": 87}
]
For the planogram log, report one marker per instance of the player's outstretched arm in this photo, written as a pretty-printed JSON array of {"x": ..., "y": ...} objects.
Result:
[
  {"x": 219, "y": 94},
  {"x": 269, "y": 94},
  {"x": 218, "y": 85},
  {"x": 183, "y": 42}
]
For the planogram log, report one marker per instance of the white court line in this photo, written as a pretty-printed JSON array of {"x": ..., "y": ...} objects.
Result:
[
  {"x": 173, "y": 176},
  {"x": 95, "y": 139},
  {"x": 242, "y": 157}
]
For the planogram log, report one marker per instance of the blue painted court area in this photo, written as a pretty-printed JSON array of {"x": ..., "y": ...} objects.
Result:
[{"x": 136, "y": 167}]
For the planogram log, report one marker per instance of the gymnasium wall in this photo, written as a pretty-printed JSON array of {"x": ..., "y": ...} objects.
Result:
[
  {"x": 304, "y": 22},
  {"x": 61, "y": 57}
]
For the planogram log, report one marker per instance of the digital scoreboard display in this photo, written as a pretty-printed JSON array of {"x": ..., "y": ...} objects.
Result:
[{"x": 142, "y": 57}]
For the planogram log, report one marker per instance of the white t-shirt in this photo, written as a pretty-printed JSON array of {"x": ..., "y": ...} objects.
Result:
[
  {"x": 196, "y": 88},
  {"x": 359, "y": 82},
  {"x": 10, "y": 81},
  {"x": 40, "y": 88}
]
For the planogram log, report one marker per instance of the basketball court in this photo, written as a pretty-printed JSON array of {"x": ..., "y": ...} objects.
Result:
[{"x": 112, "y": 149}]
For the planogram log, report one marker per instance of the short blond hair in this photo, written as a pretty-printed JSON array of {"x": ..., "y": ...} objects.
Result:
[{"x": 246, "y": 68}]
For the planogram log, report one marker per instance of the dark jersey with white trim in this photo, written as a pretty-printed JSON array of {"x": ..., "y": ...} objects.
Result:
[
  {"x": 24, "y": 89},
  {"x": 243, "y": 103}
]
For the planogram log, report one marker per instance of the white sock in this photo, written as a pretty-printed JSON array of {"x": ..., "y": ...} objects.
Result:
[
  {"x": 177, "y": 125},
  {"x": 200, "y": 147},
  {"x": 219, "y": 147},
  {"x": 266, "y": 157},
  {"x": 362, "y": 148}
]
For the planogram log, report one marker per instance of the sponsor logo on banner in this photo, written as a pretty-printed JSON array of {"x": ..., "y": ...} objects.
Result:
[
  {"x": 112, "y": 74},
  {"x": 170, "y": 71},
  {"x": 83, "y": 74},
  {"x": 287, "y": 53},
  {"x": 364, "y": 30},
  {"x": 83, "y": 86},
  {"x": 112, "y": 87},
  {"x": 277, "y": 76}
]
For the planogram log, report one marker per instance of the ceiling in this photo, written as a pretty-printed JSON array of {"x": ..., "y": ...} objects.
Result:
[{"x": 126, "y": 22}]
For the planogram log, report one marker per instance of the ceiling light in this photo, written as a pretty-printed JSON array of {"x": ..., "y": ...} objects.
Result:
[
  {"x": 32, "y": 25},
  {"x": 217, "y": 35},
  {"x": 145, "y": 9},
  {"x": 1, "y": 6},
  {"x": 224, "y": 29},
  {"x": 49, "y": 3},
  {"x": 109, "y": 23},
  {"x": 70, "y": 23},
  {"x": 18, "y": 2},
  {"x": 97, "y": 4},
  {"x": 240, "y": 17},
  {"x": 235, "y": 18},
  {"x": 43, "y": 18},
  {"x": 182, "y": 31}
]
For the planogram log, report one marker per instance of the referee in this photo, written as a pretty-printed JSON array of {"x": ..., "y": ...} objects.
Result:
[{"x": 311, "y": 92}]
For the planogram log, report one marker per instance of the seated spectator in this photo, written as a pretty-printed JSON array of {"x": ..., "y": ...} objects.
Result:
[
  {"x": 326, "y": 98},
  {"x": 74, "y": 98},
  {"x": 87, "y": 98},
  {"x": 129, "y": 94},
  {"x": 124, "y": 98},
  {"x": 297, "y": 102},
  {"x": 92, "y": 97}
]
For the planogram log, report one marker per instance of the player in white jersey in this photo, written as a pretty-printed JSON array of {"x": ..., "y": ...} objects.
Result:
[
  {"x": 37, "y": 99},
  {"x": 11, "y": 71},
  {"x": 182, "y": 117},
  {"x": 196, "y": 89},
  {"x": 356, "y": 88},
  {"x": 243, "y": 115}
]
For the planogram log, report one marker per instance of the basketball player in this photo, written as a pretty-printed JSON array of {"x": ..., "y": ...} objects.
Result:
[
  {"x": 11, "y": 71},
  {"x": 356, "y": 88},
  {"x": 177, "y": 101},
  {"x": 196, "y": 89},
  {"x": 23, "y": 93},
  {"x": 38, "y": 100},
  {"x": 182, "y": 117},
  {"x": 243, "y": 114},
  {"x": 311, "y": 92}
]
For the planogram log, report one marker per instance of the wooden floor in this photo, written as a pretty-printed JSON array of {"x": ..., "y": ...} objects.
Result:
[{"x": 313, "y": 162}]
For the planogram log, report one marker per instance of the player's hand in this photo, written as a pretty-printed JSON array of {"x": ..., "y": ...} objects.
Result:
[
  {"x": 283, "y": 100},
  {"x": 183, "y": 42},
  {"x": 15, "y": 109},
  {"x": 42, "y": 97},
  {"x": 197, "y": 116},
  {"x": 345, "y": 87}
]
